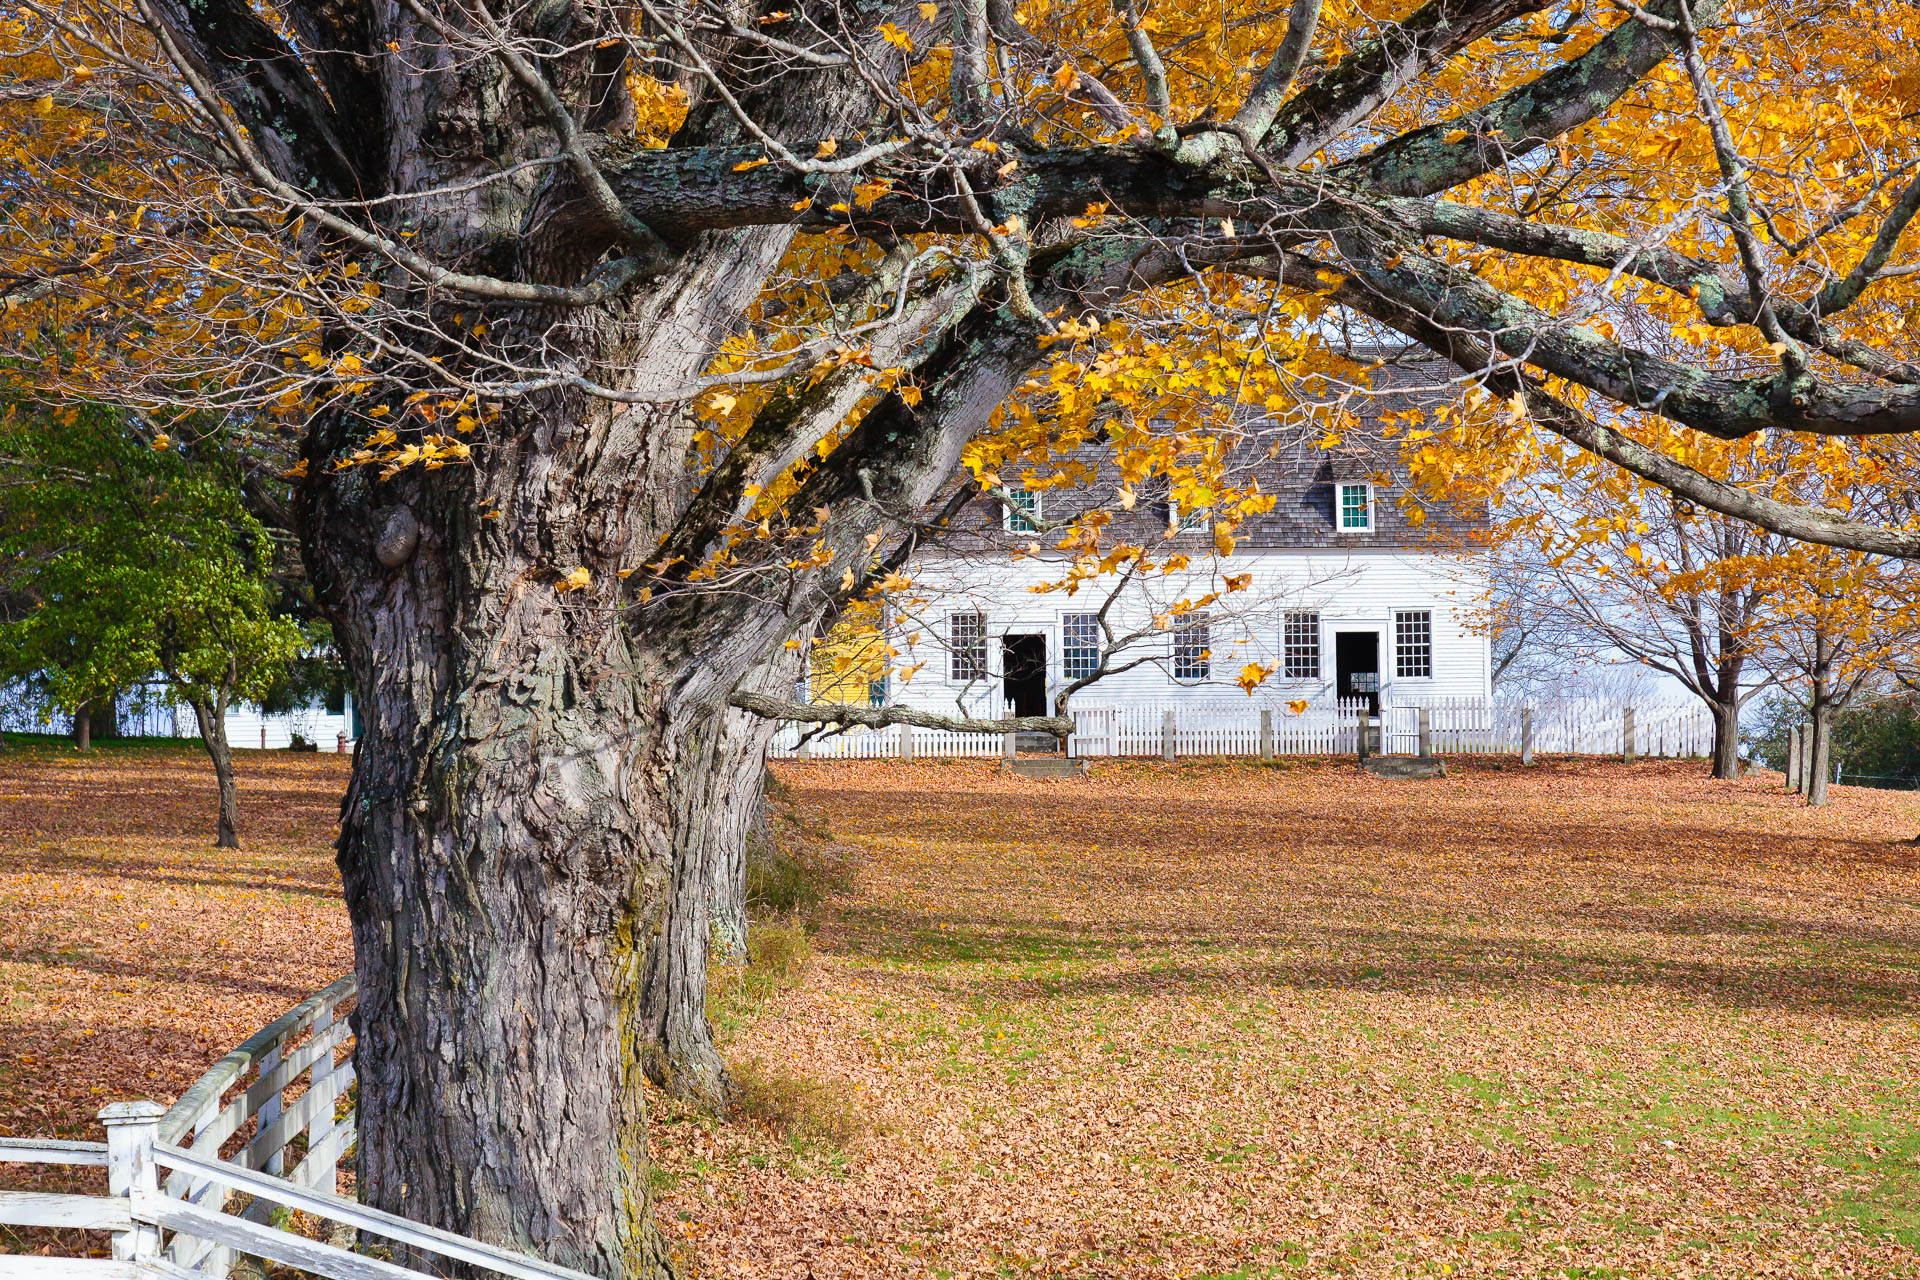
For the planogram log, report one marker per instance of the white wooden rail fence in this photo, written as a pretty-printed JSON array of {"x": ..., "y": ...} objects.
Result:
[
  {"x": 282, "y": 1098},
  {"x": 1246, "y": 727}
]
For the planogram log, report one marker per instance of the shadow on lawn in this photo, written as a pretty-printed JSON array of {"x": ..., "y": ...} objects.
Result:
[
  {"x": 1852, "y": 980},
  {"x": 1069, "y": 817},
  {"x": 216, "y": 973},
  {"x": 244, "y": 879}
]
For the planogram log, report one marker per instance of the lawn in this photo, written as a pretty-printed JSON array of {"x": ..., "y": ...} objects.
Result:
[{"x": 1199, "y": 1020}]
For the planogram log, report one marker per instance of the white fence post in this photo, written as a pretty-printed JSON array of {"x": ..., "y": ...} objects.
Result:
[
  {"x": 1167, "y": 731},
  {"x": 1424, "y": 720},
  {"x": 1266, "y": 733},
  {"x": 906, "y": 742},
  {"x": 1010, "y": 745},
  {"x": 270, "y": 1110},
  {"x": 1526, "y": 735},
  {"x": 130, "y": 1169},
  {"x": 1626, "y": 734}
]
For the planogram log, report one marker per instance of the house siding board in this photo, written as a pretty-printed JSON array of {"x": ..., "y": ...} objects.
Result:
[{"x": 1352, "y": 591}]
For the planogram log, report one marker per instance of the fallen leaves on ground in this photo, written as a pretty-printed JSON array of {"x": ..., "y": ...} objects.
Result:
[
  {"x": 132, "y": 952},
  {"x": 1207, "y": 1019},
  {"x": 1232, "y": 1020}
]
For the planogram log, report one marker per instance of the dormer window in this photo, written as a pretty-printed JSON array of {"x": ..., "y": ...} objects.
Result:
[
  {"x": 1020, "y": 510},
  {"x": 1179, "y": 521},
  {"x": 1353, "y": 507}
]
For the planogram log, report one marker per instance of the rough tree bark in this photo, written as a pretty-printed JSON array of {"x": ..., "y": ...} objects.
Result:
[
  {"x": 212, "y": 720},
  {"x": 719, "y": 794}
]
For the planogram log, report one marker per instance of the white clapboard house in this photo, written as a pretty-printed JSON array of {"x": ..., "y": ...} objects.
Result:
[{"x": 1347, "y": 597}]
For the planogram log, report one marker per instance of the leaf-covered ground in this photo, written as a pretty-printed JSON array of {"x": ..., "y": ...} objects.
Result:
[
  {"x": 133, "y": 953},
  {"x": 1195, "y": 1020}
]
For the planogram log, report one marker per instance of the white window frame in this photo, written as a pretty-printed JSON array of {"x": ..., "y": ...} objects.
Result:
[
  {"x": 1184, "y": 622},
  {"x": 1340, "y": 524},
  {"x": 978, "y": 646},
  {"x": 1022, "y": 505},
  {"x": 1188, "y": 521},
  {"x": 1393, "y": 638},
  {"x": 1066, "y": 647},
  {"x": 1310, "y": 620}
]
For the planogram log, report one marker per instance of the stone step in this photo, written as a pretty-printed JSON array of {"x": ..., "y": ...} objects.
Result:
[
  {"x": 1048, "y": 766},
  {"x": 1405, "y": 767}
]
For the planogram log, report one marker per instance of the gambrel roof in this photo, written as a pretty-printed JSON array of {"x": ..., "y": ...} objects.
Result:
[{"x": 1303, "y": 476}]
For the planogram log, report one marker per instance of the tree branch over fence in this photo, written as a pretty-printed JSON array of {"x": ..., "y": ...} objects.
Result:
[{"x": 771, "y": 708}]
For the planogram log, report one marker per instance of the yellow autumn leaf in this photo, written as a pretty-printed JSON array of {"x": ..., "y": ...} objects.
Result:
[{"x": 1253, "y": 675}]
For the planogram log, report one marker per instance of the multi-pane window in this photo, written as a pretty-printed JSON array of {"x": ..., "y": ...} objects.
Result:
[
  {"x": 1079, "y": 645},
  {"x": 1022, "y": 509},
  {"x": 1300, "y": 643},
  {"x": 1413, "y": 643},
  {"x": 1192, "y": 647},
  {"x": 1355, "y": 512},
  {"x": 967, "y": 645}
]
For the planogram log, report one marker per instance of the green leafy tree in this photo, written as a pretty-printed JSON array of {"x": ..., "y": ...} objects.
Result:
[{"x": 127, "y": 558}]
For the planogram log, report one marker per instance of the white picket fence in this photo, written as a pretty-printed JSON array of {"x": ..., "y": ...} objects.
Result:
[
  {"x": 282, "y": 1097},
  {"x": 1455, "y": 726}
]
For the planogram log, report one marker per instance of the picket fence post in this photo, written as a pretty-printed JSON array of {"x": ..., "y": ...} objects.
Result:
[
  {"x": 131, "y": 1129},
  {"x": 1424, "y": 723},
  {"x": 1266, "y": 733},
  {"x": 1626, "y": 734},
  {"x": 1526, "y": 735},
  {"x": 1166, "y": 735},
  {"x": 906, "y": 742},
  {"x": 1009, "y": 745}
]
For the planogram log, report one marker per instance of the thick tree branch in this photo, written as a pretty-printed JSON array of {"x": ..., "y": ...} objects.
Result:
[
  {"x": 1262, "y": 107},
  {"x": 1424, "y": 161},
  {"x": 246, "y": 64},
  {"x": 1470, "y": 353},
  {"x": 1355, "y": 86},
  {"x": 772, "y": 708}
]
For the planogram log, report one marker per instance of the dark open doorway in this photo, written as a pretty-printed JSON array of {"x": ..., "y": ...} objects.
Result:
[
  {"x": 1024, "y": 661},
  {"x": 1357, "y": 653}
]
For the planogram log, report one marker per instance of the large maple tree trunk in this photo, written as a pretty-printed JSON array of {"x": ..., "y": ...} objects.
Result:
[
  {"x": 505, "y": 871},
  {"x": 535, "y": 768},
  {"x": 506, "y": 848}
]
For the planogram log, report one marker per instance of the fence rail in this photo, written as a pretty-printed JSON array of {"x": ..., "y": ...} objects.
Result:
[
  {"x": 283, "y": 1093},
  {"x": 1454, "y": 726}
]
